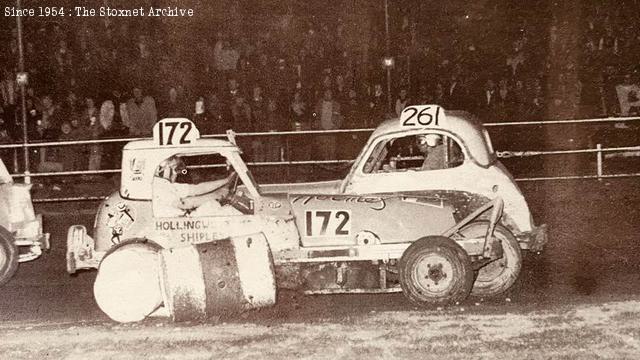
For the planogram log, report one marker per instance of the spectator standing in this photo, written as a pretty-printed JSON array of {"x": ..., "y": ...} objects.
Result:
[
  {"x": 353, "y": 119},
  {"x": 241, "y": 114},
  {"x": 298, "y": 145},
  {"x": 505, "y": 101},
  {"x": 63, "y": 63},
  {"x": 438, "y": 95},
  {"x": 377, "y": 106},
  {"x": 200, "y": 116},
  {"x": 401, "y": 101},
  {"x": 225, "y": 56},
  {"x": 258, "y": 106},
  {"x": 95, "y": 130},
  {"x": 488, "y": 100},
  {"x": 141, "y": 114},
  {"x": 232, "y": 90},
  {"x": 299, "y": 113},
  {"x": 274, "y": 122},
  {"x": 90, "y": 112},
  {"x": 455, "y": 96},
  {"x": 327, "y": 117},
  {"x": 8, "y": 89},
  {"x": 535, "y": 104},
  {"x": 423, "y": 95},
  {"x": 51, "y": 124},
  {"x": 218, "y": 117},
  {"x": 174, "y": 106},
  {"x": 51, "y": 118},
  {"x": 260, "y": 71},
  {"x": 608, "y": 43},
  {"x": 110, "y": 127},
  {"x": 340, "y": 89},
  {"x": 70, "y": 156}
]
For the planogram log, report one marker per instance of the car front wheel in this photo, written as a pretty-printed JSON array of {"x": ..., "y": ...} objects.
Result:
[{"x": 435, "y": 270}]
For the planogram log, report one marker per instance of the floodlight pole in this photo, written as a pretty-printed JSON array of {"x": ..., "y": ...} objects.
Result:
[
  {"x": 387, "y": 48},
  {"x": 23, "y": 95}
]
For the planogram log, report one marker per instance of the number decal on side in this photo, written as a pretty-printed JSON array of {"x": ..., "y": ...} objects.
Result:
[
  {"x": 340, "y": 230},
  {"x": 327, "y": 223},
  {"x": 175, "y": 132},
  {"x": 425, "y": 115}
]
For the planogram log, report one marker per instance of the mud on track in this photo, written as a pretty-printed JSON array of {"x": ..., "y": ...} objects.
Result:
[
  {"x": 577, "y": 300},
  {"x": 582, "y": 332}
]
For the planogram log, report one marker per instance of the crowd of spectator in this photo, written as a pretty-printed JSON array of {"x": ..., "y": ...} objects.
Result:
[
  {"x": 610, "y": 46},
  {"x": 106, "y": 79}
]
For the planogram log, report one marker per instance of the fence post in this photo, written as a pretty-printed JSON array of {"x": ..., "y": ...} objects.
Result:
[
  {"x": 599, "y": 161},
  {"x": 15, "y": 160},
  {"x": 288, "y": 157}
]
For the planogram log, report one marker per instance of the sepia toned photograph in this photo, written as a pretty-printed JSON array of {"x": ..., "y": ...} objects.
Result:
[{"x": 319, "y": 179}]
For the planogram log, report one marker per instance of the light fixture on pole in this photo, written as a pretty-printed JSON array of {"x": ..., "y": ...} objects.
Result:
[
  {"x": 21, "y": 79},
  {"x": 387, "y": 60}
]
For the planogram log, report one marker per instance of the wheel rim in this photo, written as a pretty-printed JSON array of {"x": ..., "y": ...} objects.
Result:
[
  {"x": 432, "y": 274},
  {"x": 493, "y": 269}
]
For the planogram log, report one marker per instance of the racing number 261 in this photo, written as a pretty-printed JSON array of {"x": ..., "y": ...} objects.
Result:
[
  {"x": 328, "y": 223},
  {"x": 424, "y": 115},
  {"x": 171, "y": 127}
]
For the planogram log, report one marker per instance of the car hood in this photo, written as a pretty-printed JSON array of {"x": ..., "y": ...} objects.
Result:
[{"x": 319, "y": 187}]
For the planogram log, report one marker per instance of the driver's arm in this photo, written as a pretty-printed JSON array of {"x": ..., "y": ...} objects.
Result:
[{"x": 195, "y": 201}]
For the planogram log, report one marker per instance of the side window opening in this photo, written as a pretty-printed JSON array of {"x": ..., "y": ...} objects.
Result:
[
  {"x": 422, "y": 152},
  {"x": 202, "y": 168}
]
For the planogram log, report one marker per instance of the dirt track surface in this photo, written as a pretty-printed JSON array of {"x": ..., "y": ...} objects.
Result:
[
  {"x": 579, "y": 299},
  {"x": 582, "y": 332}
]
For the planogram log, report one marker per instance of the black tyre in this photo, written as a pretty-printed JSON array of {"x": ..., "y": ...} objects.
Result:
[
  {"x": 435, "y": 270},
  {"x": 498, "y": 276},
  {"x": 8, "y": 256}
]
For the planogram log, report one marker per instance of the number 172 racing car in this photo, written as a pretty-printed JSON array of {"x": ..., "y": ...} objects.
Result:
[{"x": 436, "y": 244}]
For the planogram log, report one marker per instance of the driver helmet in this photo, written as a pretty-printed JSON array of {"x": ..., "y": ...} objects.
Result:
[
  {"x": 430, "y": 139},
  {"x": 171, "y": 167}
]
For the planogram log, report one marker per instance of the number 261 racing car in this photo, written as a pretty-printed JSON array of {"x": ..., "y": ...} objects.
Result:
[{"x": 426, "y": 209}]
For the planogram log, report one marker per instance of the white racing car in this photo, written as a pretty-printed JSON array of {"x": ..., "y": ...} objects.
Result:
[
  {"x": 21, "y": 236},
  {"x": 426, "y": 209}
]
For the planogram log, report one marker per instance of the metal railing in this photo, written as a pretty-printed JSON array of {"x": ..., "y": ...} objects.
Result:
[{"x": 598, "y": 150}]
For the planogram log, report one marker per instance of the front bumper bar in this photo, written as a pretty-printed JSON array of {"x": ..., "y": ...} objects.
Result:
[{"x": 535, "y": 239}]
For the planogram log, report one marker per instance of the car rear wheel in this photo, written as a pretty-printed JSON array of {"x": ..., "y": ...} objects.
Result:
[
  {"x": 498, "y": 276},
  {"x": 8, "y": 256},
  {"x": 435, "y": 270}
]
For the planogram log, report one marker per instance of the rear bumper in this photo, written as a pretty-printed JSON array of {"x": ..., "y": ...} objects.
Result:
[{"x": 535, "y": 239}]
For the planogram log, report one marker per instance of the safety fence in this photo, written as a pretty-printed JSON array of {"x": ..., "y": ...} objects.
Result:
[{"x": 601, "y": 153}]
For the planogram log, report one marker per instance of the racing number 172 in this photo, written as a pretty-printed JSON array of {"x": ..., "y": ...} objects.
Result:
[
  {"x": 317, "y": 225},
  {"x": 172, "y": 126}
]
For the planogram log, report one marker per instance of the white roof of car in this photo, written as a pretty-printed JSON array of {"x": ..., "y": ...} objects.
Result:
[
  {"x": 461, "y": 124},
  {"x": 199, "y": 143}
]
